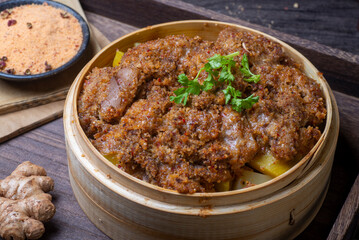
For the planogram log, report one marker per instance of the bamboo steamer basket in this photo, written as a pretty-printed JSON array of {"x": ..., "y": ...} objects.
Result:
[{"x": 124, "y": 207}]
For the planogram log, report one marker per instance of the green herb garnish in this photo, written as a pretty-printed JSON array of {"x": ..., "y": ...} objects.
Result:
[
  {"x": 232, "y": 95},
  {"x": 246, "y": 103},
  {"x": 250, "y": 77},
  {"x": 194, "y": 87},
  {"x": 182, "y": 93},
  {"x": 224, "y": 62},
  {"x": 220, "y": 68},
  {"x": 230, "y": 92}
]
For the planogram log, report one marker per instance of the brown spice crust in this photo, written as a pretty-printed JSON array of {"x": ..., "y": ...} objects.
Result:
[{"x": 126, "y": 111}]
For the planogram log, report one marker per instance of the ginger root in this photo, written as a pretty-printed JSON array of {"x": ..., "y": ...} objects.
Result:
[{"x": 24, "y": 205}]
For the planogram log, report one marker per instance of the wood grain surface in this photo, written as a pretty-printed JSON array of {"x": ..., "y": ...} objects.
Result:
[
  {"x": 45, "y": 145},
  {"x": 332, "y": 23},
  {"x": 348, "y": 212}
]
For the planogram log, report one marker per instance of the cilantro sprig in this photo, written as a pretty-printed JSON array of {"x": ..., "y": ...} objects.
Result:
[
  {"x": 193, "y": 87},
  {"x": 230, "y": 92},
  {"x": 233, "y": 95},
  {"x": 219, "y": 69},
  {"x": 224, "y": 62},
  {"x": 212, "y": 68},
  {"x": 250, "y": 77}
]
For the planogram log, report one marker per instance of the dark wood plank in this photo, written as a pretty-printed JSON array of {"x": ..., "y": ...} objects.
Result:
[
  {"x": 349, "y": 127},
  {"x": 339, "y": 67},
  {"x": 332, "y": 23},
  {"x": 347, "y": 150},
  {"x": 112, "y": 29},
  {"x": 347, "y": 220}
]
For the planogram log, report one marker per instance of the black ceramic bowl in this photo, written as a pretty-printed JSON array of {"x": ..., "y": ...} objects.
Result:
[{"x": 85, "y": 41}]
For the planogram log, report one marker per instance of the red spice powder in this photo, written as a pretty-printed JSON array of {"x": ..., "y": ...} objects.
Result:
[{"x": 37, "y": 38}]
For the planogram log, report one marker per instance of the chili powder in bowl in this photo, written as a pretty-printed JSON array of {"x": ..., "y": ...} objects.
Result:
[{"x": 39, "y": 38}]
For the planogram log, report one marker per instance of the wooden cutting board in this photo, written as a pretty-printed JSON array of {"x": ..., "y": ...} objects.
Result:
[{"x": 24, "y": 106}]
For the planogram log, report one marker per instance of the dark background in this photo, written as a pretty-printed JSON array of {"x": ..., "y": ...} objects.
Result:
[{"x": 332, "y": 22}]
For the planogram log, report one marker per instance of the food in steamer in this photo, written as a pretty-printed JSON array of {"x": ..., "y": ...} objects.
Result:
[{"x": 198, "y": 116}]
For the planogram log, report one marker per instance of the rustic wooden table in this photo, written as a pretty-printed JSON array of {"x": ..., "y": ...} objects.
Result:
[{"x": 316, "y": 28}]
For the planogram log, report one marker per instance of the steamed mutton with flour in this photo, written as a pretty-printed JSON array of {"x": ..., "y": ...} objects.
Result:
[{"x": 201, "y": 116}]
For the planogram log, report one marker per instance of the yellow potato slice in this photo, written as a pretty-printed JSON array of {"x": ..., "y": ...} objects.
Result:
[
  {"x": 117, "y": 59},
  {"x": 223, "y": 186},
  {"x": 269, "y": 165},
  {"x": 112, "y": 158}
]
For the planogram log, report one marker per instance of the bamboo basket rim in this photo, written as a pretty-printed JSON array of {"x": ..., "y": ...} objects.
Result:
[{"x": 305, "y": 162}]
